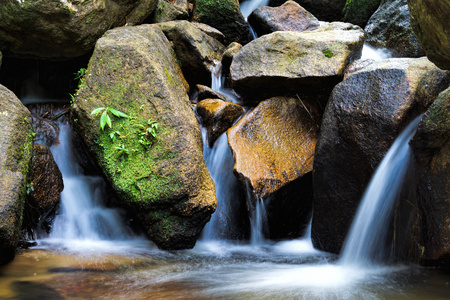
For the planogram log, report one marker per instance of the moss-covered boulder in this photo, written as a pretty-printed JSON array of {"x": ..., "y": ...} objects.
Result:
[
  {"x": 51, "y": 29},
  {"x": 16, "y": 146},
  {"x": 196, "y": 52},
  {"x": 273, "y": 148},
  {"x": 389, "y": 27},
  {"x": 169, "y": 10},
  {"x": 365, "y": 114},
  {"x": 288, "y": 17},
  {"x": 295, "y": 62},
  {"x": 226, "y": 16},
  {"x": 160, "y": 178},
  {"x": 217, "y": 116},
  {"x": 359, "y": 11},
  {"x": 429, "y": 20},
  {"x": 431, "y": 146}
]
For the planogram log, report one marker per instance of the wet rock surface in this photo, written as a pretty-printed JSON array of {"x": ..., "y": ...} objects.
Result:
[
  {"x": 365, "y": 114},
  {"x": 16, "y": 146}
]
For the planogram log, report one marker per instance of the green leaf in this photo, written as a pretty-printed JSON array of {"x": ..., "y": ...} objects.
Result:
[
  {"x": 97, "y": 111},
  {"x": 103, "y": 120},
  {"x": 108, "y": 121},
  {"x": 118, "y": 113}
]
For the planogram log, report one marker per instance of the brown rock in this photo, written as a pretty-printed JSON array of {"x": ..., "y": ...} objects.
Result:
[
  {"x": 227, "y": 57},
  {"x": 205, "y": 92},
  {"x": 288, "y": 17},
  {"x": 217, "y": 116}
]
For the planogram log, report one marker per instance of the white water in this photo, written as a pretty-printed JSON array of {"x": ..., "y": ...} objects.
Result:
[
  {"x": 366, "y": 240},
  {"x": 84, "y": 221},
  {"x": 247, "y": 7},
  {"x": 258, "y": 222},
  {"x": 368, "y": 52}
]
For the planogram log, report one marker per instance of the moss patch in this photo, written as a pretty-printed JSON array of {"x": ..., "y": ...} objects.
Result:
[{"x": 328, "y": 53}]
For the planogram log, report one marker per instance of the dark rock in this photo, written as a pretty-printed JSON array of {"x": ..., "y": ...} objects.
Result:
[
  {"x": 50, "y": 29},
  {"x": 195, "y": 51},
  {"x": 359, "y": 11},
  {"x": 429, "y": 20},
  {"x": 47, "y": 185},
  {"x": 16, "y": 146},
  {"x": 288, "y": 17},
  {"x": 226, "y": 16},
  {"x": 217, "y": 116},
  {"x": 389, "y": 27},
  {"x": 162, "y": 180},
  {"x": 365, "y": 114},
  {"x": 205, "y": 92},
  {"x": 227, "y": 57},
  {"x": 431, "y": 146}
]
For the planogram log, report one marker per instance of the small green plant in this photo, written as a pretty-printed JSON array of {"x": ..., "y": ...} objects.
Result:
[
  {"x": 328, "y": 53},
  {"x": 113, "y": 135},
  {"x": 105, "y": 119},
  {"x": 80, "y": 73},
  {"x": 30, "y": 188},
  {"x": 121, "y": 150},
  {"x": 149, "y": 132}
]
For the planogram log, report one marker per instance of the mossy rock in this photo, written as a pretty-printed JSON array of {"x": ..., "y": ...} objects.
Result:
[
  {"x": 163, "y": 180},
  {"x": 359, "y": 11},
  {"x": 16, "y": 147}
]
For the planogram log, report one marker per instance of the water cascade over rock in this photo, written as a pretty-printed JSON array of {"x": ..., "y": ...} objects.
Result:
[
  {"x": 163, "y": 180},
  {"x": 16, "y": 147},
  {"x": 364, "y": 115},
  {"x": 366, "y": 242}
]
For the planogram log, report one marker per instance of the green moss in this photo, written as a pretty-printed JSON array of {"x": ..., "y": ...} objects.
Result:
[{"x": 328, "y": 53}]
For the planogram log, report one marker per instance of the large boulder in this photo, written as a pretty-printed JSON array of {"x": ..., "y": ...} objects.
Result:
[
  {"x": 50, "y": 29},
  {"x": 324, "y": 10},
  {"x": 429, "y": 20},
  {"x": 273, "y": 148},
  {"x": 359, "y": 11},
  {"x": 288, "y": 17},
  {"x": 305, "y": 63},
  {"x": 389, "y": 27},
  {"x": 46, "y": 186},
  {"x": 16, "y": 146},
  {"x": 161, "y": 176},
  {"x": 226, "y": 16},
  {"x": 431, "y": 146},
  {"x": 217, "y": 116},
  {"x": 196, "y": 52},
  {"x": 365, "y": 114}
]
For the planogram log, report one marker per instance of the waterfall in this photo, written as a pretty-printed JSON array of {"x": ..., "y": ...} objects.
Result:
[
  {"x": 366, "y": 239},
  {"x": 248, "y": 6},
  {"x": 83, "y": 215},
  {"x": 368, "y": 52},
  {"x": 258, "y": 222}
]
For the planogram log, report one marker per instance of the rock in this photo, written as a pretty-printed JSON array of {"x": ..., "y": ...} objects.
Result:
[
  {"x": 162, "y": 180},
  {"x": 288, "y": 17},
  {"x": 211, "y": 31},
  {"x": 359, "y": 11},
  {"x": 227, "y": 57},
  {"x": 217, "y": 116},
  {"x": 16, "y": 146},
  {"x": 365, "y": 114},
  {"x": 429, "y": 20},
  {"x": 389, "y": 27},
  {"x": 226, "y": 16},
  {"x": 59, "y": 30},
  {"x": 431, "y": 147},
  {"x": 46, "y": 130},
  {"x": 205, "y": 92},
  {"x": 1, "y": 56},
  {"x": 326, "y": 10},
  {"x": 305, "y": 63},
  {"x": 167, "y": 10},
  {"x": 195, "y": 50},
  {"x": 273, "y": 148},
  {"x": 47, "y": 185}
]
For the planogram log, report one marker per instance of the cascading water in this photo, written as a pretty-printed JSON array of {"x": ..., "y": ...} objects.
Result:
[
  {"x": 368, "y": 52},
  {"x": 247, "y": 7},
  {"x": 365, "y": 242},
  {"x": 83, "y": 215},
  {"x": 258, "y": 222}
]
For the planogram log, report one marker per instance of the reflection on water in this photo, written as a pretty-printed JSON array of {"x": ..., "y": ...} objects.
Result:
[{"x": 213, "y": 270}]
